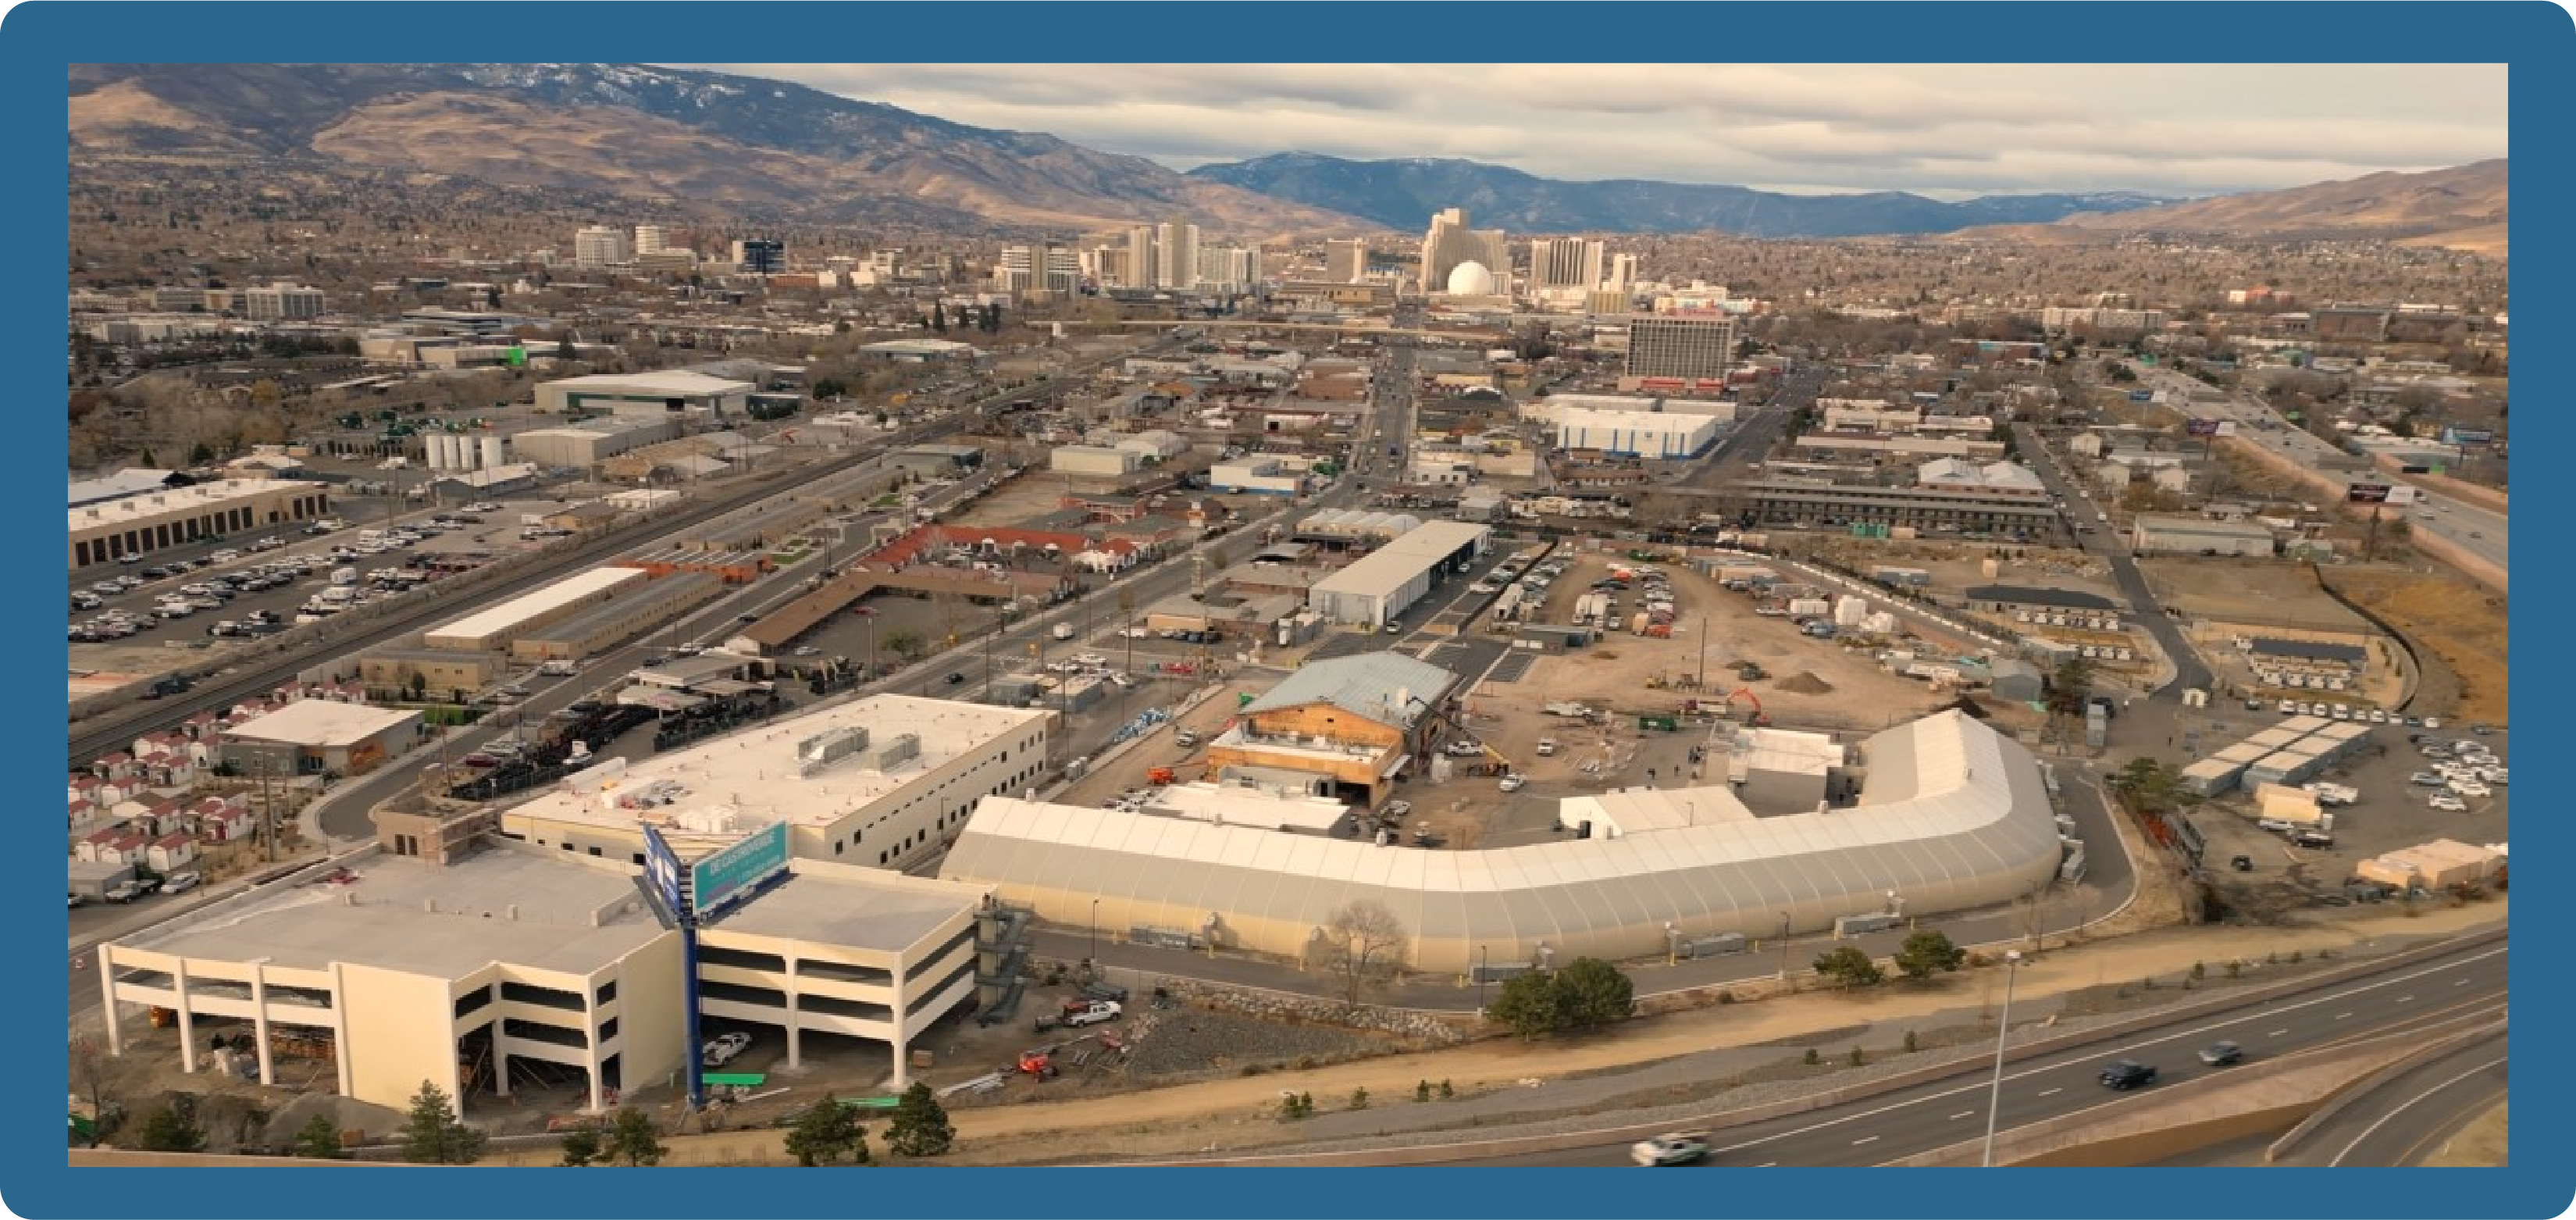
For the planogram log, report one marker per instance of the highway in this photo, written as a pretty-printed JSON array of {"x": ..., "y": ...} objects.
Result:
[
  {"x": 2405, "y": 1118},
  {"x": 2057, "y": 1087},
  {"x": 2479, "y": 531}
]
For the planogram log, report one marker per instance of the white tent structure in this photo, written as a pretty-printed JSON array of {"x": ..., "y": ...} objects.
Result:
[{"x": 1951, "y": 815}]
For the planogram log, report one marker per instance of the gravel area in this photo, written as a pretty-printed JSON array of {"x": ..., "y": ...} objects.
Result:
[{"x": 1190, "y": 1040}]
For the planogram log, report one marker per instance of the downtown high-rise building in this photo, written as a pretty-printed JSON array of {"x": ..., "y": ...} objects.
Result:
[
  {"x": 1228, "y": 268},
  {"x": 1178, "y": 263},
  {"x": 1345, "y": 262},
  {"x": 1565, "y": 263},
  {"x": 1623, "y": 272},
  {"x": 1451, "y": 244},
  {"x": 600, "y": 246},
  {"x": 1020, "y": 268},
  {"x": 1694, "y": 347},
  {"x": 1143, "y": 269},
  {"x": 651, "y": 239}
]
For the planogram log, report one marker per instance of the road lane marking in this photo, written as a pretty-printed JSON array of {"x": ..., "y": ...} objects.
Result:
[
  {"x": 1866, "y": 1139},
  {"x": 1963, "y": 1114},
  {"x": 2402, "y": 999},
  {"x": 2341, "y": 1015},
  {"x": 2198, "y": 1030},
  {"x": 2047, "y": 1092},
  {"x": 2384, "y": 1119},
  {"x": 2276, "y": 1033},
  {"x": 2461, "y": 983}
]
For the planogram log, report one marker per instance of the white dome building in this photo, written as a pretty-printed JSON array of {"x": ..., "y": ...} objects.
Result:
[{"x": 1471, "y": 280}]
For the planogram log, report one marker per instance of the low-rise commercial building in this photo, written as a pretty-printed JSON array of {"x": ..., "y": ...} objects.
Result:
[
  {"x": 676, "y": 394},
  {"x": 2158, "y": 534},
  {"x": 1094, "y": 461},
  {"x": 492, "y": 630},
  {"x": 395, "y": 673},
  {"x": 881, "y": 782},
  {"x": 591, "y": 441},
  {"x": 311, "y": 736},
  {"x": 1388, "y": 581},
  {"x": 606, "y": 625},
  {"x": 105, "y": 528},
  {"x": 1350, "y": 724},
  {"x": 1784, "y": 502}
]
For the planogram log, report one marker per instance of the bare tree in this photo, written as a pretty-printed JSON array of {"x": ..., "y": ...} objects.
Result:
[
  {"x": 1363, "y": 942},
  {"x": 89, "y": 1064}
]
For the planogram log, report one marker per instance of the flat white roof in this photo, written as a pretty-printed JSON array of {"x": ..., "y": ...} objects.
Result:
[
  {"x": 320, "y": 723},
  {"x": 862, "y": 908},
  {"x": 1632, "y": 421},
  {"x": 508, "y": 616},
  {"x": 1410, "y": 554},
  {"x": 146, "y": 505},
  {"x": 1785, "y": 750},
  {"x": 504, "y": 905},
  {"x": 1241, "y": 805},
  {"x": 756, "y": 774},
  {"x": 674, "y": 383}
]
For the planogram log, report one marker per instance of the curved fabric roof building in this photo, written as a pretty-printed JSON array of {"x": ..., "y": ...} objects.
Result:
[{"x": 1950, "y": 815}]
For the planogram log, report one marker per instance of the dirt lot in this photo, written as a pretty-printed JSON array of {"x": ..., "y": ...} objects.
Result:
[
  {"x": 2459, "y": 633},
  {"x": 2481, "y": 1143},
  {"x": 2248, "y": 591},
  {"x": 1813, "y": 683}
]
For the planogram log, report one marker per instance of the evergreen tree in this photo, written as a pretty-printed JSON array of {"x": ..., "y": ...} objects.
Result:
[
  {"x": 319, "y": 1140},
  {"x": 920, "y": 1126},
  {"x": 433, "y": 1136},
  {"x": 632, "y": 1139},
  {"x": 827, "y": 1132},
  {"x": 168, "y": 1130},
  {"x": 581, "y": 1147}
]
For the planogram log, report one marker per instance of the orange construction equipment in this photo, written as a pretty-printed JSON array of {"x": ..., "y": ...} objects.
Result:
[
  {"x": 1038, "y": 1064},
  {"x": 1757, "y": 719},
  {"x": 1161, "y": 775}
]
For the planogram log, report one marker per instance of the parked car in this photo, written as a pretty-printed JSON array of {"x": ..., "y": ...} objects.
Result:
[
  {"x": 2127, "y": 1074},
  {"x": 721, "y": 1050},
  {"x": 1514, "y": 783},
  {"x": 180, "y": 883},
  {"x": 2448, "y": 803},
  {"x": 1671, "y": 1148}
]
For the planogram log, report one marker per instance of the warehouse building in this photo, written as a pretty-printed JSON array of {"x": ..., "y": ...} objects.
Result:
[
  {"x": 399, "y": 970},
  {"x": 591, "y": 441},
  {"x": 937, "y": 461},
  {"x": 1720, "y": 409},
  {"x": 1347, "y": 726},
  {"x": 675, "y": 394},
  {"x": 389, "y": 672},
  {"x": 1376, "y": 589},
  {"x": 1950, "y": 815},
  {"x": 604, "y": 626},
  {"x": 881, "y": 782},
  {"x": 151, "y": 518},
  {"x": 1258, "y": 474},
  {"x": 2005, "y": 599},
  {"x": 1669, "y": 436},
  {"x": 311, "y": 736},
  {"x": 1094, "y": 461},
  {"x": 492, "y": 630},
  {"x": 2156, "y": 534},
  {"x": 1787, "y": 502}
]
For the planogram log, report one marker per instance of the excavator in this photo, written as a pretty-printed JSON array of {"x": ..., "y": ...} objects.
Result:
[{"x": 1758, "y": 719}]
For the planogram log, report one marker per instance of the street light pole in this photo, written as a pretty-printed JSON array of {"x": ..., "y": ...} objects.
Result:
[
  {"x": 1093, "y": 956},
  {"x": 1480, "y": 979},
  {"x": 1784, "y": 947},
  {"x": 2003, "y": 1030}
]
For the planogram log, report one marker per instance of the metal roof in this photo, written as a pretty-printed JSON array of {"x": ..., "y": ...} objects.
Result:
[{"x": 1378, "y": 685}]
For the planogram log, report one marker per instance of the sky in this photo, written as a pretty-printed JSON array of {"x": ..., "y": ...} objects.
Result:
[{"x": 1948, "y": 131}]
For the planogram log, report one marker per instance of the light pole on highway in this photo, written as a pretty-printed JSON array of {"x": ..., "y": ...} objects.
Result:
[{"x": 2003, "y": 1030}]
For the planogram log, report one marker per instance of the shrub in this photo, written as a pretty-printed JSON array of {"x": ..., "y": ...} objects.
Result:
[{"x": 1813, "y": 1058}]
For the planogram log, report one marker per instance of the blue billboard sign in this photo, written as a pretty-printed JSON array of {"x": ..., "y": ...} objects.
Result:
[
  {"x": 738, "y": 869},
  {"x": 662, "y": 872},
  {"x": 2467, "y": 436}
]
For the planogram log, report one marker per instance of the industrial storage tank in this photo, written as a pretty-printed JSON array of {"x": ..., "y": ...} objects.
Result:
[{"x": 491, "y": 452}]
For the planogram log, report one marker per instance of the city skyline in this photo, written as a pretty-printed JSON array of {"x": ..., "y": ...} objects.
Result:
[{"x": 1945, "y": 131}]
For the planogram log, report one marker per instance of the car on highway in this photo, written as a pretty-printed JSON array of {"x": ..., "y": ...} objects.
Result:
[
  {"x": 2222, "y": 1054},
  {"x": 955, "y": 678},
  {"x": 1671, "y": 1148},
  {"x": 2127, "y": 1074}
]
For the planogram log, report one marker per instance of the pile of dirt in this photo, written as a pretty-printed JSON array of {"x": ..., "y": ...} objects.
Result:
[
  {"x": 376, "y": 1123},
  {"x": 1805, "y": 682}
]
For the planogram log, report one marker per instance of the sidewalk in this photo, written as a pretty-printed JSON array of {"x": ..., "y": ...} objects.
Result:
[{"x": 1680, "y": 1050}]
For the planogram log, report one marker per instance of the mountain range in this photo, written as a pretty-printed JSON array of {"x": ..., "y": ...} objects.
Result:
[
  {"x": 2463, "y": 207},
  {"x": 1402, "y": 194},
  {"x": 652, "y": 133},
  {"x": 745, "y": 144}
]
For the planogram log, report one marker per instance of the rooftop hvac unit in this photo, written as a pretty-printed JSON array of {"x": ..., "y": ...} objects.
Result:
[
  {"x": 897, "y": 750},
  {"x": 823, "y": 749}
]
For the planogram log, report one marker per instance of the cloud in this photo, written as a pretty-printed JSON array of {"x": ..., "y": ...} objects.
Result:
[{"x": 1938, "y": 129}]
